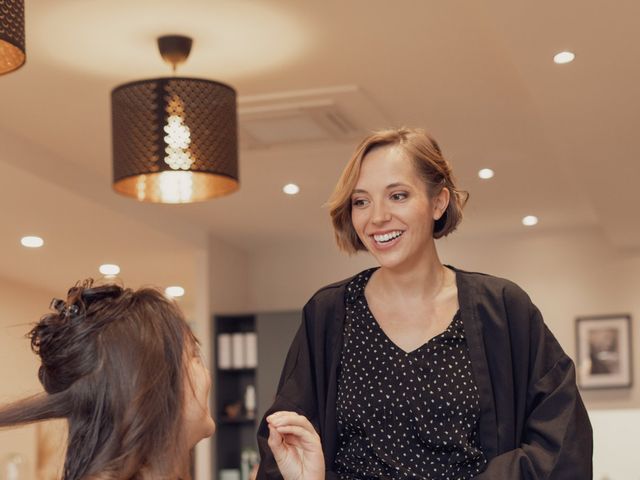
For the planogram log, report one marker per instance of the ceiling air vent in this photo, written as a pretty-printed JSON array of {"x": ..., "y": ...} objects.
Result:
[{"x": 322, "y": 115}]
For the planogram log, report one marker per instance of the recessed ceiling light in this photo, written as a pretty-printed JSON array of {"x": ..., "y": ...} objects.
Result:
[
  {"x": 31, "y": 241},
  {"x": 564, "y": 57},
  {"x": 291, "y": 189},
  {"x": 109, "y": 269},
  {"x": 530, "y": 220},
  {"x": 486, "y": 173},
  {"x": 174, "y": 291}
]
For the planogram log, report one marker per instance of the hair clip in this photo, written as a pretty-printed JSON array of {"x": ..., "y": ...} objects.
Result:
[
  {"x": 90, "y": 295},
  {"x": 62, "y": 308}
]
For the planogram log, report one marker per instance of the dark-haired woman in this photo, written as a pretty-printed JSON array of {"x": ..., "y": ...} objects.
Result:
[
  {"x": 415, "y": 369},
  {"x": 123, "y": 368}
]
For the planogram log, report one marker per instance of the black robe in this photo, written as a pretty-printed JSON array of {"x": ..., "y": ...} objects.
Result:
[{"x": 533, "y": 424}]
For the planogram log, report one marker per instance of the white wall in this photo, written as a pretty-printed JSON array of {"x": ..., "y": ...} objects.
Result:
[
  {"x": 20, "y": 308},
  {"x": 567, "y": 274},
  {"x": 615, "y": 452}
]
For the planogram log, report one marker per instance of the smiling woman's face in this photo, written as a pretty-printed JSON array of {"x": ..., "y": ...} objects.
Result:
[{"x": 391, "y": 210}]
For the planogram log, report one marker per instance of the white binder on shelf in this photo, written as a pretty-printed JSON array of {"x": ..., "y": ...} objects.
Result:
[
  {"x": 251, "y": 349},
  {"x": 224, "y": 351},
  {"x": 237, "y": 349}
]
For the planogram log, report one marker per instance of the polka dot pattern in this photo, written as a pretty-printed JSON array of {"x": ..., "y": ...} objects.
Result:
[{"x": 404, "y": 414}]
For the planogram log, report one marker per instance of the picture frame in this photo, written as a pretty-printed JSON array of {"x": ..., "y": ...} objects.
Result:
[{"x": 604, "y": 351}]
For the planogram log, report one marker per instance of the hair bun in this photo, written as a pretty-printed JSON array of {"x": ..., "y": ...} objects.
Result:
[
  {"x": 51, "y": 339},
  {"x": 64, "y": 339}
]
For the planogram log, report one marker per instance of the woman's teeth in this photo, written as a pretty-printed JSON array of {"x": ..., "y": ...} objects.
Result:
[{"x": 387, "y": 237}]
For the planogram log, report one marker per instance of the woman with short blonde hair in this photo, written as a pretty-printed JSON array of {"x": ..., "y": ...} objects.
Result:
[
  {"x": 415, "y": 369},
  {"x": 429, "y": 164}
]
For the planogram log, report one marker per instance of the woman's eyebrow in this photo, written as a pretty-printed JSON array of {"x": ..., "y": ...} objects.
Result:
[
  {"x": 395, "y": 185},
  {"x": 388, "y": 187}
]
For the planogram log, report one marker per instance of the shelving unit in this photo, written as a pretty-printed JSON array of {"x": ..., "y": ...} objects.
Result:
[
  {"x": 235, "y": 428},
  {"x": 274, "y": 332}
]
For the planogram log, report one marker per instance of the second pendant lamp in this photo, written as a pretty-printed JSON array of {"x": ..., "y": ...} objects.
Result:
[{"x": 174, "y": 139}]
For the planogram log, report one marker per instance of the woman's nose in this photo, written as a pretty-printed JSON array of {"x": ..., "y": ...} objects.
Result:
[{"x": 380, "y": 214}]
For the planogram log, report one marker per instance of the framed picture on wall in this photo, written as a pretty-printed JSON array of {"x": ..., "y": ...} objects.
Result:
[{"x": 604, "y": 351}]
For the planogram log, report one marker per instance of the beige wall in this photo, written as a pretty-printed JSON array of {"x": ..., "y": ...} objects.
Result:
[
  {"x": 20, "y": 306},
  {"x": 567, "y": 274},
  {"x": 228, "y": 277}
]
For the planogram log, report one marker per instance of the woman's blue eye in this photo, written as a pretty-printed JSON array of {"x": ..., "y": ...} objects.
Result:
[{"x": 358, "y": 202}]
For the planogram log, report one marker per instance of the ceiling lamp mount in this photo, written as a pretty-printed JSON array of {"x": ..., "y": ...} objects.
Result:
[
  {"x": 174, "y": 138},
  {"x": 175, "y": 49},
  {"x": 12, "y": 44}
]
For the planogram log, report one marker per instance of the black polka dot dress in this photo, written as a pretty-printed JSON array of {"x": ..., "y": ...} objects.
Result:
[{"x": 404, "y": 414}]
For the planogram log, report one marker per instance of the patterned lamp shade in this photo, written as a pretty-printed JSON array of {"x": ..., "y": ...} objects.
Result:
[
  {"x": 174, "y": 140},
  {"x": 12, "y": 52}
]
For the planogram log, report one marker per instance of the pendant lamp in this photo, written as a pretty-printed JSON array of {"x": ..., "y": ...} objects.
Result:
[
  {"x": 174, "y": 139},
  {"x": 12, "y": 51}
]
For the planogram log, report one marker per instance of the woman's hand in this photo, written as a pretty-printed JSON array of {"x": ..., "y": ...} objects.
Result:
[{"x": 296, "y": 446}]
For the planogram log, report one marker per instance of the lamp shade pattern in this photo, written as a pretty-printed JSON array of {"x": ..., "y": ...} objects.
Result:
[
  {"x": 174, "y": 139},
  {"x": 12, "y": 43}
]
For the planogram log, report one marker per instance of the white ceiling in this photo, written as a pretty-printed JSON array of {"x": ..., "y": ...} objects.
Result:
[{"x": 478, "y": 74}]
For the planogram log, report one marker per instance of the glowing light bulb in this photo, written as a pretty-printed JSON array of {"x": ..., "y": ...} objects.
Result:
[
  {"x": 177, "y": 138},
  {"x": 141, "y": 187},
  {"x": 178, "y": 134},
  {"x": 176, "y": 187},
  {"x": 530, "y": 220}
]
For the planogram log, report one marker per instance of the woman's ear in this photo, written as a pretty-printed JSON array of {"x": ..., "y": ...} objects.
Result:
[{"x": 440, "y": 203}]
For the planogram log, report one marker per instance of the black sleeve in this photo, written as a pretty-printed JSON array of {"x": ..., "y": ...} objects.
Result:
[
  {"x": 556, "y": 437},
  {"x": 294, "y": 393},
  {"x": 303, "y": 375}
]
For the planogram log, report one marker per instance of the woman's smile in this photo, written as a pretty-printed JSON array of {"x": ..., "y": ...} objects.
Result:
[{"x": 386, "y": 240}]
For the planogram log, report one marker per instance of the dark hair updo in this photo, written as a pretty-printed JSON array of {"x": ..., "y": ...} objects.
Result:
[
  {"x": 112, "y": 364},
  {"x": 63, "y": 339}
]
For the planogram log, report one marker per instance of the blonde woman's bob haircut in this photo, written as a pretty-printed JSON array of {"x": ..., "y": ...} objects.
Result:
[{"x": 429, "y": 164}]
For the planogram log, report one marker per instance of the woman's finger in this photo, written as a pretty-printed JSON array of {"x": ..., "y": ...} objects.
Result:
[
  {"x": 282, "y": 418},
  {"x": 276, "y": 442},
  {"x": 307, "y": 437}
]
